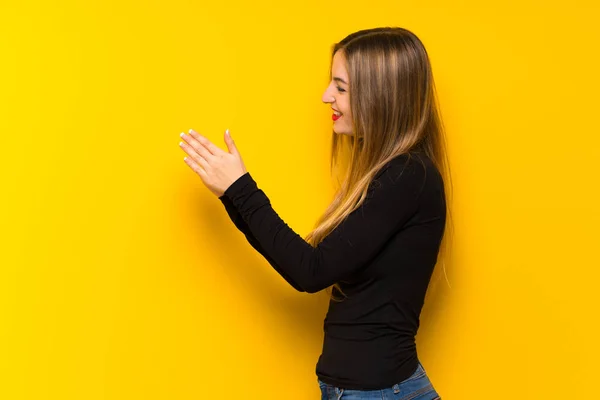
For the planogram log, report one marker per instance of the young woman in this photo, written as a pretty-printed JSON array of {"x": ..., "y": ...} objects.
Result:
[{"x": 377, "y": 243}]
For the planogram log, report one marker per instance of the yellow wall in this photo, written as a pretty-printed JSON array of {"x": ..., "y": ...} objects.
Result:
[{"x": 122, "y": 276}]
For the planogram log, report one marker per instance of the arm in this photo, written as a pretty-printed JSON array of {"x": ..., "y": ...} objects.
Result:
[
  {"x": 239, "y": 222},
  {"x": 391, "y": 201}
]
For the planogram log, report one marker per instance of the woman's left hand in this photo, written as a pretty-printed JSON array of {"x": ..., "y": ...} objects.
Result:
[{"x": 217, "y": 168}]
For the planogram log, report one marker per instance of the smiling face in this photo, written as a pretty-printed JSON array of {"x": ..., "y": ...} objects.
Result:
[{"x": 338, "y": 96}]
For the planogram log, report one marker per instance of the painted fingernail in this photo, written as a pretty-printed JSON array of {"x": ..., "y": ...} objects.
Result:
[
  {"x": 181, "y": 134},
  {"x": 190, "y": 131}
]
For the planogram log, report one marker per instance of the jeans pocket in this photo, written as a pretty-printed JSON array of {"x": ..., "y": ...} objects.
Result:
[
  {"x": 415, "y": 387},
  {"x": 419, "y": 373}
]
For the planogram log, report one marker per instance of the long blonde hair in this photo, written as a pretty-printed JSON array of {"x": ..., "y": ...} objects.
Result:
[{"x": 394, "y": 107}]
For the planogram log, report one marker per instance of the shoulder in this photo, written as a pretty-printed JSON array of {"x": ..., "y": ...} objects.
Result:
[
  {"x": 412, "y": 165},
  {"x": 401, "y": 173},
  {"x": 414, "y": 172}
]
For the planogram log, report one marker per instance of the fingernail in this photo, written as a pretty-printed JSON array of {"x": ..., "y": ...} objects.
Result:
[
  {"x": 227, "y": 132},
  {"x": 181, "y": 134},
  {"x": 190, "y": 131}
]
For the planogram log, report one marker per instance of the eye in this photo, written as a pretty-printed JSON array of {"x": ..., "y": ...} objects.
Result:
[{"x": 340, "y": 89}]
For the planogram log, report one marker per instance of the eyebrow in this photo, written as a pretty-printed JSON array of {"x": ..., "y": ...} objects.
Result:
[{"x": 337, "y": 79}]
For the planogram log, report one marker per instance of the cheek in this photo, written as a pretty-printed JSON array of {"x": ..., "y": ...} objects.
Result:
[
  {"x": 346, "y": 109},
  {"x": 348, "y": 114}
]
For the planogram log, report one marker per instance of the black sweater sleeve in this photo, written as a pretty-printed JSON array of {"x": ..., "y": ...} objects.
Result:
[
  {"x": 239, "y": 222},
  {"x": 391, "y": 200}
]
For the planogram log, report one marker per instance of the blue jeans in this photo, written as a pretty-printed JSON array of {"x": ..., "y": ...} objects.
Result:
[{"x": 415, "y": 387}]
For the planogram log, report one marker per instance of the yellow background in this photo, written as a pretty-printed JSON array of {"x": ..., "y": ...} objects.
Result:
[{"x": 122, "y": 276}]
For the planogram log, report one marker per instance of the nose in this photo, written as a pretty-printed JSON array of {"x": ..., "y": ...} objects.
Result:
[{"x": 327, "y": 97}]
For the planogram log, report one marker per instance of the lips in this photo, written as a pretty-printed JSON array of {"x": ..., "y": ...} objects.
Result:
[{"x": 336, "y": 114}]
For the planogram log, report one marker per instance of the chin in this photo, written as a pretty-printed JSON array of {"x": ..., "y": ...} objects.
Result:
[{"x": 342, "y": 132}]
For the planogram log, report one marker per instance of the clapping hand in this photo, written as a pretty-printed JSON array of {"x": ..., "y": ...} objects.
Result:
[{"x": 217, "y": 168}]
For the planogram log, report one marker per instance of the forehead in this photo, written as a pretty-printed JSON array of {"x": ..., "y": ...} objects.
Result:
[{"x": 338, "y": 66}]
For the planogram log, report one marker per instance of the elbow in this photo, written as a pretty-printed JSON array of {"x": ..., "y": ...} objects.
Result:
[
  {"x": 300, "y": 288},
  {"x": 313, "y": 290},
  {"x": 309, "y": 289},
  {"x": 312, "y": 287},
  {"x": 313, "y": 281}
]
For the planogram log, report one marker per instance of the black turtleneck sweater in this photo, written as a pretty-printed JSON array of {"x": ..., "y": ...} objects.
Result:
[{"x": 382, "y": 256}]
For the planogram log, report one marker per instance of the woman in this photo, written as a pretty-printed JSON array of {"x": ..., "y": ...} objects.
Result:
[{"x": 377, "y": 243}]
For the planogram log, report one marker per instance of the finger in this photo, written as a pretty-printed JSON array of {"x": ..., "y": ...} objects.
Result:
[
  {"x": 230, "y": 143},
  {"x": 199, "y": 159},
  {"x": 197, "y": 146},
  {"x": 196, "y": 168},
  {"x": 214, "y": 149}
]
